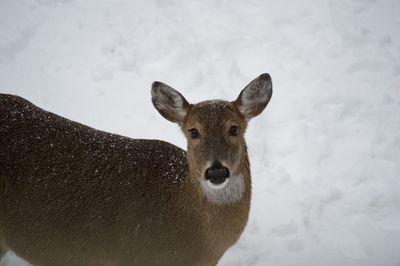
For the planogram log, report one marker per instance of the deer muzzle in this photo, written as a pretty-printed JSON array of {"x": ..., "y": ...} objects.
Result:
[{"x": 217, "y": 173}]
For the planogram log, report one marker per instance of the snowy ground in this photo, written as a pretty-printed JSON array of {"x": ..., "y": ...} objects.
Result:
[{"x": 325, "y": 154}]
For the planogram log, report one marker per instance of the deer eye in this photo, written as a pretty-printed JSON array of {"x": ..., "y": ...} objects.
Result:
[
  {"x": 194, "y": 133},
  {"x": 233, "y": 131}
]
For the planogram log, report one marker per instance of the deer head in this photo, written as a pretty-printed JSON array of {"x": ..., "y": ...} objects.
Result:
[{"x": 216, "y": 147}]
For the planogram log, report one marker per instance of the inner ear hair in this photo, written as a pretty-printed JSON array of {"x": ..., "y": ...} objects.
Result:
[
  {"x": 253, "y": 99},
  {"x": 169, "y": 102}
]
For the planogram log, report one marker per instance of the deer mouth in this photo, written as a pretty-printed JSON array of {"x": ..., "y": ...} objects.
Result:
[
  {"x": 225, "y": 193},
  {"x": 217, "y": 176},
  {"x": 217, "y": 186}
]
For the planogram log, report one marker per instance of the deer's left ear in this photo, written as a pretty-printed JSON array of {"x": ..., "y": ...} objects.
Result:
[{"x": 255, "y": 96}]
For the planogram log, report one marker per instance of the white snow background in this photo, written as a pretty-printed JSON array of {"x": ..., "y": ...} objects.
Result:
[{"x": 325, "y": 153}]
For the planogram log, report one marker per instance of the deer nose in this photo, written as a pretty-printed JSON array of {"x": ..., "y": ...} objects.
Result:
[{"x": 217, "y": 174}]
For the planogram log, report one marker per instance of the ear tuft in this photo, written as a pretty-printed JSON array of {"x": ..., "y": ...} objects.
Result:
[
  {"x": 253, "y": 99},
  {"x": 169, "y": 102}
]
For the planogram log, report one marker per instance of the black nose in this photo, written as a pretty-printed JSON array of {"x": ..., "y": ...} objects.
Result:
[{"x": 217, "y": 174}]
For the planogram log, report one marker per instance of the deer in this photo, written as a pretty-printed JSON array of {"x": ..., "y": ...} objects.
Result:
[{"x": 74, "y": 195}]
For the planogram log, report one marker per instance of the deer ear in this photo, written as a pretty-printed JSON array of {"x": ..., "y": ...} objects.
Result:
[
  {"x": 254, "y": 97},
  {"x": 169, "y": 102}
]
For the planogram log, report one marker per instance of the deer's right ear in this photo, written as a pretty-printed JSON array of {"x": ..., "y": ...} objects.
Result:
[{"x": 169, "y": 102}]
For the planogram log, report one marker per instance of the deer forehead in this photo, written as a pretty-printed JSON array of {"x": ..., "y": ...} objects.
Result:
[{"x": 212, "y": 115}]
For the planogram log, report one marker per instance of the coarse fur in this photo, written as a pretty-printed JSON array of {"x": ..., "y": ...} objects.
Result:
[
  {"x": 2, "y": 247},
  {"x": 74, "y": 195}
]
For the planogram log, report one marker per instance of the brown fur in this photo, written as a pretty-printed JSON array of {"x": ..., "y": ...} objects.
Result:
[
  {"x": 74, "y": 195},
  {"x": 2, "y": 247},
  {"x": 213, "y": 119}
]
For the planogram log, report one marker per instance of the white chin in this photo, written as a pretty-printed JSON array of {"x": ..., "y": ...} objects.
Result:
[
  {"x": 229, "y": 191},
  {"x": 219, "y": 186}
]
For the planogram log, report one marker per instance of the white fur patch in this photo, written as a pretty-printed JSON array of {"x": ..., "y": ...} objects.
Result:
[
  {"x": 168, "y": 100},
  {"x": 228, "y": 192},
  {"x": 252, "y": 97},
  {"x": 161, "y": 95},
  {"x": 219, "y": 186},
  {"x": 256, "y": 94}
]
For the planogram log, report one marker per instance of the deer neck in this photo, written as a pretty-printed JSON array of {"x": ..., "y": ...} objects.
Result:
[{"x": 224, "y": 216}]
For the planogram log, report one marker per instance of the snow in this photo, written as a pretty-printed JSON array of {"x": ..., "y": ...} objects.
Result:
[{"x": 325, "y": 152}]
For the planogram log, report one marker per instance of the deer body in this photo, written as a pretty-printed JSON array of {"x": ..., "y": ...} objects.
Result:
[{"x": 74, "y": 195}]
